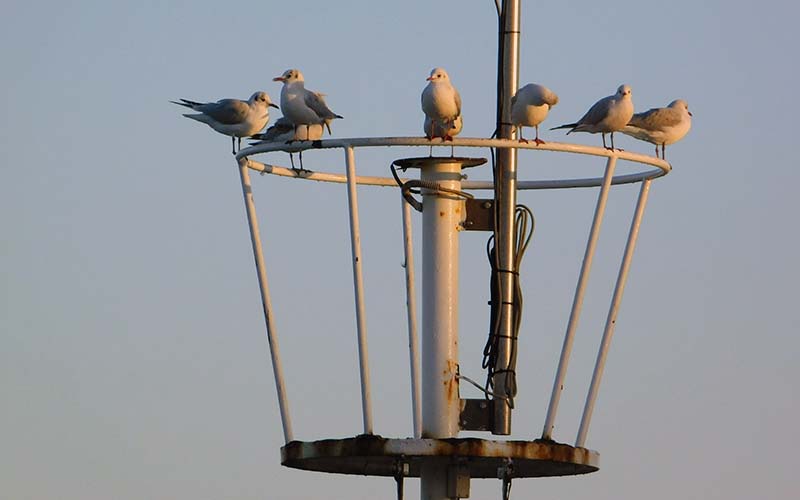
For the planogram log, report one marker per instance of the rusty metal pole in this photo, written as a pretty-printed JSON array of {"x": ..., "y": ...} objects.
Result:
[
  {"x": 506, "y": 194},
  {"x": 442, "y": 215}
]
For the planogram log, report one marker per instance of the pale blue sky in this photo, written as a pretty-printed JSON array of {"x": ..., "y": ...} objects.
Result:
[{"x": 133, "y": 361}]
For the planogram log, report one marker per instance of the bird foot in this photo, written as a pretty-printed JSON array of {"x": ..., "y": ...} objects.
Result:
[
  {"x": 447, "y": 138},
  {"x": 526, "y": 141},
  {"x": 539, "y": 141}
]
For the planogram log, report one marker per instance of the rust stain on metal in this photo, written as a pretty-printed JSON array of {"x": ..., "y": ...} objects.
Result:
[
  {"x": 377, "y": 456},
  {"x": 451, "y": 382}
]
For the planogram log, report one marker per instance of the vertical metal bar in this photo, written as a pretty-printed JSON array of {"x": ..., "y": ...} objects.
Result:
[
  {"x": 506, "y": 194},
  {"x": 358, "y": 286},
  {"x": 272, "y": 336},
  {"x": 577, "y": 302},
  {"x": 442, "y": 216},
  {"x": 411, "y": 311},
  {"x": 611, "y": 321}
]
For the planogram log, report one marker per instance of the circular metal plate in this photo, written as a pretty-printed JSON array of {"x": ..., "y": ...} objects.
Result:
[
  {"x": 377, "y": 456},
  {"x": 422, "y": 161}
]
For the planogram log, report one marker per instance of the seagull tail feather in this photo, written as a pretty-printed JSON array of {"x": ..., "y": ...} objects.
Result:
[{"x": 185, "y": 103}]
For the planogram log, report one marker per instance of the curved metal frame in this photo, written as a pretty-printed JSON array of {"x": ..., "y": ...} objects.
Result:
[{"x": 662, "y": 167}]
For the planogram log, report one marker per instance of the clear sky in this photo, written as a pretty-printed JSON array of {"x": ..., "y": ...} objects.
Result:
[{"x": 133, "y": 360}]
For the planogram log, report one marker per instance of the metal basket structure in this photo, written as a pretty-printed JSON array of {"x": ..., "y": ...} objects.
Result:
[{"x": 445, "y": 462}]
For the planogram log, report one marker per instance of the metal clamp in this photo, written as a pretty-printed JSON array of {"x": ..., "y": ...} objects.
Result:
[
  {"x": 401, "y": 470},
  {"x": 506, "y": 473}
]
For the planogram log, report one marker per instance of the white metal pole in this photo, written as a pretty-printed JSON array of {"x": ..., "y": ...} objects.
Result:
[
  {"x": 411, "y": 311},
  {"x": 577, "y": 302},
  {"x": 442, "y": 215},
  {"x": 358, "y": 286},
  {"x": 272, "y": 336},
  {"x": 611, "y": 321}
]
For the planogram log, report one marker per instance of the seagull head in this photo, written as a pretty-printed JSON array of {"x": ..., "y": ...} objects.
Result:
[
  {"x": 624, "y": 90},
  {"x": 680, "y": 105},
  {"x": 289, "y": 76},
  {"x": 263, "y": 97},
  {"x": 438, "y": 75}
]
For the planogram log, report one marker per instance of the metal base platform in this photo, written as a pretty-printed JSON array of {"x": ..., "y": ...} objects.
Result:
[{"x": 371, "y": 455}]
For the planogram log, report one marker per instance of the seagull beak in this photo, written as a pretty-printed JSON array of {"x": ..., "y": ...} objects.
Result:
[
  {"x": 279, "y": 79},
  {"x": 274, "y": 105},
  {"x": 430, "y": 78},
  {"x": 690, "y": 113}
]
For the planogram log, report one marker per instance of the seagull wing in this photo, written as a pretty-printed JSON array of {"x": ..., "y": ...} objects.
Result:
[
  {"x": 316, "y": 102},
  {"x": 597, "y": 113},
  {"x": 656, "y": 118},
  {"x": 227, "y": 111},
  {"x": 280, "y": 127}
]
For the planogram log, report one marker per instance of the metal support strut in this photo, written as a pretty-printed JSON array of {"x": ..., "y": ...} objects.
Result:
[
  {"x": 358, "y": 286},
  {"x": 272, "y": 336},
  {"x": 611, "y": 320}
]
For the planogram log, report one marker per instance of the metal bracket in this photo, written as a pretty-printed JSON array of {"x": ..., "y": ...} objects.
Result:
[
  {"x": 476, "y": 414},
  {"x": 506, "y": 473},
  {"x": 480, "y": 215},
  {"x": 457, "y": 481},
  {"x": 401, "y": 470}
]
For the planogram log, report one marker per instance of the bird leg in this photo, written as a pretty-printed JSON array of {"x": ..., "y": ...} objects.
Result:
[
  {"x": 522, "y": 139},
  {"x": 612, "y": 144},
  {"x": 233, "y": 145},
  {"x": 291, "y": 160},
  {"x": 603, "y": 134},
  {"x": 537, "y": 140}
]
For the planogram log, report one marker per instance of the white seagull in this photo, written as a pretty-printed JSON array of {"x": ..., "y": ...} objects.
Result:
[
  {"x": 232, "y": 117},
  {"x": 301, "y": 106},
  {"x": 284, "y": 131},
  {"x": 529, "y": 108},
  {"x": 661, "y": 126},
  {"x": 608, "y": 115},
  {"x": 441, "y": 104}
]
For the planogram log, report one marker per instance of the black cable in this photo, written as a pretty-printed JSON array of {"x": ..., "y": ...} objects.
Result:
[{"x": 524, "y": 224}]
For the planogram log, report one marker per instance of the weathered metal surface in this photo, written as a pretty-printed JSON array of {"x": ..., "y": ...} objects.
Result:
[
  {"x": 457, "y": 481},
  {"x": 480, "y": 215},
  {"x": 427, "y": 161},
  {"x": 372, "y": 455},
  {"x": 476, "y": 414}
]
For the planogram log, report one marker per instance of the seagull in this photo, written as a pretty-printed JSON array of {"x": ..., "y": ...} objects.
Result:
[
  {"x": 440, "y": 128},
  {"x": 441, "y": 103},
  {"x": 283, "y": 131},
  {"x": 661, "y": 126},
  {"x": 529, "y": 108},
  {"x": 608, "y": 115},
  {"x": 232, "y": 117},
  {"x": 301, "y": 106}
]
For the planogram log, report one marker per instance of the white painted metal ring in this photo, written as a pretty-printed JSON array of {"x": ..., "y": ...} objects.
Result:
[{"x": 661, "y": 167}]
